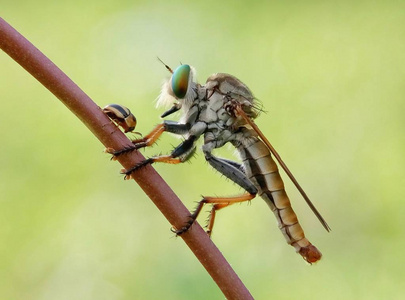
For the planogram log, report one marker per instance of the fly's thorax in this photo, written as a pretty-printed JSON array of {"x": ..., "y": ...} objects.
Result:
[
  {"x": 213, "y": 111},
  {"x": 233, "y": 89},
  {"x": 229, "y": 84}
]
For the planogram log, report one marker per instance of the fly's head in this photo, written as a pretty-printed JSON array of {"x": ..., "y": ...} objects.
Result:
[
  {"x": 180, "y": 90},
  {"x": 180, "y": 81}
]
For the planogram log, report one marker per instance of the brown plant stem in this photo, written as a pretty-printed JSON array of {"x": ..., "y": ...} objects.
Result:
[{"x": 46, "y": 72}]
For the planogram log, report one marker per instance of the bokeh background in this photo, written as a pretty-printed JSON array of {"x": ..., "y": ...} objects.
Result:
[{"x": 330, "y": 75}]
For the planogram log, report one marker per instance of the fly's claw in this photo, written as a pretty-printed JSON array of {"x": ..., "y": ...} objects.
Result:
[
  {"x": 110, "y": 151},
  {"x": 185, "y": 228},
  {"x": 128, "y": 172},
  {"x": 191, "y": 220},
  {"x": 127, "y": 175},
  {"x": 125, "y": 150},
  {"x": 116, "y": 153}
]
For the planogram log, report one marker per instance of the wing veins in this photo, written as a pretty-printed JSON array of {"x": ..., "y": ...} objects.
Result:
[{"x": 284, "y": 166}]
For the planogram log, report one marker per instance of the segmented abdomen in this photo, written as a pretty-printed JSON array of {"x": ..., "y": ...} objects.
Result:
[{"x": 263, "y": 172}]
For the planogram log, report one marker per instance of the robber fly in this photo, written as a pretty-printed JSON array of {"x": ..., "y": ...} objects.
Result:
[{"x": 222, "y": 111}]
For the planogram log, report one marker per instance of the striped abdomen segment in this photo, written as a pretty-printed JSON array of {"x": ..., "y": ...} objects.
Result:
[{"x": 263, "y": 172}]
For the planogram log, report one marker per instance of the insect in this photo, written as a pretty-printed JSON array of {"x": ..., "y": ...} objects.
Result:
[
  {"x": 221, "y": 111},
  {"x": 121, "y": 115}
]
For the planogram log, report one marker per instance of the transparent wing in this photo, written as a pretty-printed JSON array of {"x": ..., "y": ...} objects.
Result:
[{"x": 248, "y": 120}]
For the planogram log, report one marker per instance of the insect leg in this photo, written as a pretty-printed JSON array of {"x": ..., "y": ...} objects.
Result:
[
  {"x": 233, "y": 163},
  {"x": 146, "y": 141},
  {"x": 222, "y": 203},
  {"x": 152, "y": 137},
  {"x": 180, "y": 154},
  {"x": 231, "y": 170},
  {"x": 172, "y": 110},
  {"x": 218, "y": 203}
]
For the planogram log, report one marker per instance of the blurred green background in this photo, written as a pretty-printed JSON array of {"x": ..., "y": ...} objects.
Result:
[{"x": 331, "y": 78}]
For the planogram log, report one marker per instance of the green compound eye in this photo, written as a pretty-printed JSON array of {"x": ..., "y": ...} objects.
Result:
[{"x": 180, "y": 81}]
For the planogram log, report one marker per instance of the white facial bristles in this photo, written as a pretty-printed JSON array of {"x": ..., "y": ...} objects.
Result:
[{"x": 166, "y": 97}]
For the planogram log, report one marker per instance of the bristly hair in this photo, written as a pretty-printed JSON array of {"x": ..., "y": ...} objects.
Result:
[
  {"x": 258, "y": 107},
  {"x": 166, "y": 97}
]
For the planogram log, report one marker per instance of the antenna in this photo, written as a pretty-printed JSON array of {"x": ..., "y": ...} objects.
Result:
[{"x": 167, "y": 67}]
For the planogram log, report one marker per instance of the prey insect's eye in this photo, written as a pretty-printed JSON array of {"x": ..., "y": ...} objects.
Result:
[{"x": 180, "y": 81}]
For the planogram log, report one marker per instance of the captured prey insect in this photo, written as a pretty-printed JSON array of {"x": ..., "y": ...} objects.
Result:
[
  {"x": 222, "y": 111},
  {"x": 121, "y": 115}
]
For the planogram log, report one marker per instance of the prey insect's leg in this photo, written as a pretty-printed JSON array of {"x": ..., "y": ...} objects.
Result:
[
  {"x": 180, "y": 154},
  {"x": 218, "y": 203}
]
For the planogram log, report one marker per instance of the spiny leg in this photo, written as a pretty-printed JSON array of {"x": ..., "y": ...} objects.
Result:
[
  {"x": 231, "y": 170},
  {"x": 218, "y": 203},
  {"x": 152, "y": 137},
  {"x": 164, "y": 159},
  {"x": 146, "y": 141},
  {"x": 180, "y": 154}
]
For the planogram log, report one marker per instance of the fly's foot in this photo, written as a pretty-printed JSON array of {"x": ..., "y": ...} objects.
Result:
[
  {"x": 191, "y": 219},
  {"x": 185, "y": 228},
  {"x": 128, "y": 172},
  {"x": 116, "y": 153}
]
